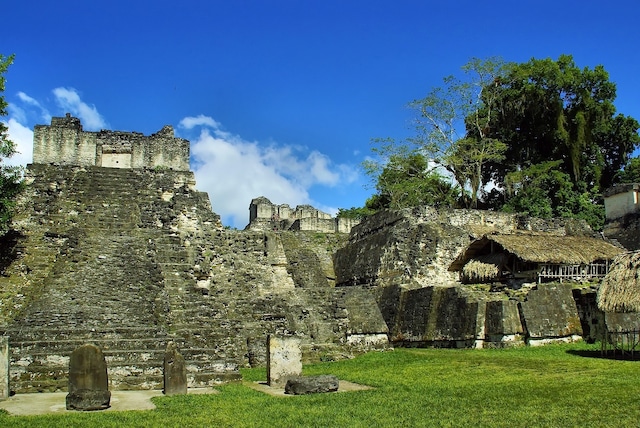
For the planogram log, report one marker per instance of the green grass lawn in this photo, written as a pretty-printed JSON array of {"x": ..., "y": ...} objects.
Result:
[{"x": 557, "y": 385}]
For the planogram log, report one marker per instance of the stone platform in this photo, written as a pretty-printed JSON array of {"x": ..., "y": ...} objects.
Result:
[{"x": 54, "y": 402}]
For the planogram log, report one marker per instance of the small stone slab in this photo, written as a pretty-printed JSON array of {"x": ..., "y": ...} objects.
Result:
[{"x": 311, "y": 385}]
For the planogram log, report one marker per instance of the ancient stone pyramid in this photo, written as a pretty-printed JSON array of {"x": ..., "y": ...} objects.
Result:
[{"x": 131, "y": 258}]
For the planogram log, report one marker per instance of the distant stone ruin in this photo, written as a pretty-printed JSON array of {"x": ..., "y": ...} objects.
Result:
[
  {"x": 264, "y": 215},
  {"x": 64, "y": 142}
]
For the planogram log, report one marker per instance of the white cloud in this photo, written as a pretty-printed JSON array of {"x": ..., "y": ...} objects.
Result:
[
  {"x": 69, "y": 100},
  {"x": 17, "y": 113},
  {"x": 26, "y": 99},
  {"x": 22, "y": 136},
  {"x": 200, "y": 120},
  {"x": 234, "y": 171},
  {"x": 24, "y": 111}
]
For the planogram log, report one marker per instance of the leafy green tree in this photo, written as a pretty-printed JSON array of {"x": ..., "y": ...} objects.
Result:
[
  {"x": 552, "y": 110},
  {"x": 10, "y": 177},
  {"x": 543, "y": 190},
  {"x": 403, "y": 178},
  {"x": 631, "y": 172},
  {"x": 454, "y": 121},
  {"x": 355, "y": 212}
]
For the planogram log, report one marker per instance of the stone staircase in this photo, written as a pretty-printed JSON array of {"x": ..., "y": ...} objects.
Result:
[{"x": 96, "y": 257}]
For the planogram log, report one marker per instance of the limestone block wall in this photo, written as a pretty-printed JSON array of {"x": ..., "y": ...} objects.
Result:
[
  {"x": 403, "y": 256},
  {"x": 65, "y": 142},
  {"x": 462, "y": 318},
  {"x": 344, "y": 225},
  {"x": 625, "y": 230},
  {"x": 327, "y": 225}
]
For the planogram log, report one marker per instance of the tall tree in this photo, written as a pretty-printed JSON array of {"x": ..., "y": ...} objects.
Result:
[
  {"x": 565, "y": 142},
  {"x": 454, "y": 121},
  {"x": 10, "y": 176},
  {"x": 552, "y": 110}
]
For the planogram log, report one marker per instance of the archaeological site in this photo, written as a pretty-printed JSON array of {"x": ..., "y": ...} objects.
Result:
[{"x": 113, "y": 245}]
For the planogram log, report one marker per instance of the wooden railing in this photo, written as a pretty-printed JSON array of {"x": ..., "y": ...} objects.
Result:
[{"x": 560, "y": 271}]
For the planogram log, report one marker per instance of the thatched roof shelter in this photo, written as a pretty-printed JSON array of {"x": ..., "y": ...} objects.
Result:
[
  {"x": 541, "y": 248},
  {"x": 620, "y": 288}
]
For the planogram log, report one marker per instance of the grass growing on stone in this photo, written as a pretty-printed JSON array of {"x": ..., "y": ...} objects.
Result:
[{"x": 563, "y": 385}]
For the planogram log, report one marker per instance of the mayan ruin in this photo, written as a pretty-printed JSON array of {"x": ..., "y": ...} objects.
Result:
[{"x": 114, "y": 245}]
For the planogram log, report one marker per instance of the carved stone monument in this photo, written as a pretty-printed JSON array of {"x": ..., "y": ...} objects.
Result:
[
  {"x": 284, "y": 359},
  {"x": 175, "y": 371},
  {"x": 4, "y": 367},
  {"x": 88, "y": 381}
]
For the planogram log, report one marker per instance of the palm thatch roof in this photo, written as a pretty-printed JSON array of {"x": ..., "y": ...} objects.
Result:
[
  {"x": 620, "y": 288},
  {"x": 475, "y": 270},
  {"x": 557, "y": 249},
  {"x": 542, "y": 248}
]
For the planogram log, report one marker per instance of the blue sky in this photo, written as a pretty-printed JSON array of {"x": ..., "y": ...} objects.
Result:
[{"x": 281, "y": 98}]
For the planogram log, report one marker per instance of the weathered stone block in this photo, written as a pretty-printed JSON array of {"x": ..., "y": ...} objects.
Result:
[
  {"x": 502, "y": 323},
  {"x": 439, "y": 316},
  {"x": 284, "y": 359},
  {"x": 88, "y": 381},
  {"x": 311, "y": 385},
  {"x": 619, "y": 322},
  {"x": 367, "y": 328},
  {"x": 175, "y": 371},
  {"x": 88, "y": 399},
  {"x": 550, "y": 312},
  {"x": 591, "y": 317}
]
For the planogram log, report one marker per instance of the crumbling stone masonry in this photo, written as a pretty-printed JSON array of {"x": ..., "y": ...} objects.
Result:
[
  {"x": 264, "y": 215},
  {"x": 113, "y": 245}
]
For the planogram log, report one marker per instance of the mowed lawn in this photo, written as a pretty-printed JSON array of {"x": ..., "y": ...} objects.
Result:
[{"x": 557, "y": 385}]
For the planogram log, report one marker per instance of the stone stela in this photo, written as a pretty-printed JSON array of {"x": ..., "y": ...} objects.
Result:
[
  {"x": 284, "y": 359},
  {"x": 4, "y": 367},
  {"x": 88, "y": 381},
  {"x": 175, "y": 371}
]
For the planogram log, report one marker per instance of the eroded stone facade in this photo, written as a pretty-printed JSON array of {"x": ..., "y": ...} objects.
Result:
[
  {"x": 265, "y": 215},
  {"x": 112, "y": 244},
  {"x": 65, "y": 142}
]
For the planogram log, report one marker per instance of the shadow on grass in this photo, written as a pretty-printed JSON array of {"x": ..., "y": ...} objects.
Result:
[{"x": 607, "y": 355}]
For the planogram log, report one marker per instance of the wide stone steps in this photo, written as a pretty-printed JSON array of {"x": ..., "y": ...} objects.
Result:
[{"x": 136, "y": 376}]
